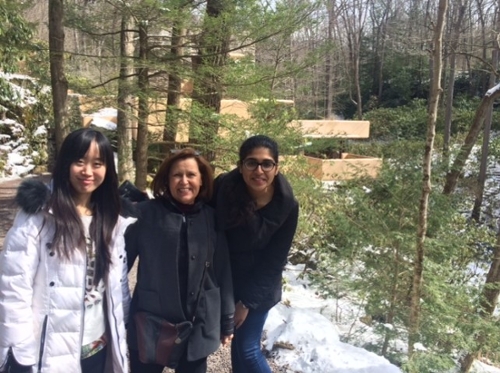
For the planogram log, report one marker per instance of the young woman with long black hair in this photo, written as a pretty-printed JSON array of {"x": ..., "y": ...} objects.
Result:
[{"x": 64, "y": 292}]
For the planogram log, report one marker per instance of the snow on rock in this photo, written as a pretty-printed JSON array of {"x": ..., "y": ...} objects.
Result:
[
  {"x": 103, "y": 118},
  {"x": 306, "y": 341},
  {"x": 302, "y": 338},
  {"x": 103, "y": 123},
  {"x": 107, "y": 112},
  {"x": 15, "y": 158},
  {"x": 479, "y": 367},
  {"x": 40, "y": 131}
]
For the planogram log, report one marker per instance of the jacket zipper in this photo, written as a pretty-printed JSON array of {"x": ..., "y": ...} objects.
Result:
[
  {"x": 42, "y": 343},
  {"x": 83, "y": 304}
]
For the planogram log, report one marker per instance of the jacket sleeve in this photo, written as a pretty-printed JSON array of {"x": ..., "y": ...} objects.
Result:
[
  {"x": 131, "y": 244},
  {"x": 125, "y": 294},
  {"x": 126, "y": 298},
  {"x": 216, "y": 188},
  {"x": 269, "y": 269},
  {"x": 222, "y": 269},
  {"x": 19, "y": 261}
]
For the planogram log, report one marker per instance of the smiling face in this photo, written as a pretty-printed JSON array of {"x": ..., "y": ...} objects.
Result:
[
  {"x": 184, "y": 181},
  {"x": 258, "y": 181},
  {"x": 87, "y": 174}
]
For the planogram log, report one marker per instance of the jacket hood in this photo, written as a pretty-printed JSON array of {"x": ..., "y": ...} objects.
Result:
[
  {"x": 278, "y": 211},
  {"x": 32, "y": 195}
]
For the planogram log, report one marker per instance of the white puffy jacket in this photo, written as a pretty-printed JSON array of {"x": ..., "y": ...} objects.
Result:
[{"x": 41, "y": 299}]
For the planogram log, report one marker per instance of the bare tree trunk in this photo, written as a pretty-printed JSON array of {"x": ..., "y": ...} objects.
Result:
[
  {"x": 174, "y": 88},
  {"x": 329, "y": 62},
  {"x": 57, "y": 77},
  {"x": 426, "y": 178},
  {"x": 380, "y": 52},
  {"x": 476, "y": 211},
  {"x": 451, "y": 79},
  {"x": 212, "y": 56},
  {"x": 482, "y": 20},
  {"x": 354, "y": 17},
  {"x": 125, "y": 103},
  {"x": 481, "y": 113},
  {"x": 141, "y": 151},
  {"x": 394, "y": 300},
  {"x": 357, "y": 83}
]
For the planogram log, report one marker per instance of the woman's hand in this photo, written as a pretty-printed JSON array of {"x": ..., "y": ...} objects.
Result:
[
  {"x": 226, "y": 339},
  {"x": 240, "y": 314}
]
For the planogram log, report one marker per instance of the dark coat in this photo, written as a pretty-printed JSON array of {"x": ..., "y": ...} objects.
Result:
[
  {"x": 157, "y": 239},
  {"x": 258, "y": 247}
]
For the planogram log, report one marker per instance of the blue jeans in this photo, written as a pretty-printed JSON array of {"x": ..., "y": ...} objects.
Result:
[{"x": 246, "y": 354}]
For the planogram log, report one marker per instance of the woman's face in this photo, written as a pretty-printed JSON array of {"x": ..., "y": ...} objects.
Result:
[
  {"x": 185, "y": 181},
  {"x": 87, "y": 173},
  {"x": 257, "y": 180}
]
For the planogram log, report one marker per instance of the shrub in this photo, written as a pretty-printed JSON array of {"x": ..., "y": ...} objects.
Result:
[{"x": 404, "y": 122}]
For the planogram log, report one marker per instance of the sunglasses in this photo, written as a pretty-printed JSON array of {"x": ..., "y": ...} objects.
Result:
[{"x": 266, "y": 165}]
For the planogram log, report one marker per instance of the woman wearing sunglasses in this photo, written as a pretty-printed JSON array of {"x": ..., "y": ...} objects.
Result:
[{"x": 256, "y": 208}]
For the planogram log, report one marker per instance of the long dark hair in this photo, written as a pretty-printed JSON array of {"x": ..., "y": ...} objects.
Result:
[
  {"x": 160, "y": 183},
  {"x": 242, "y": 205},
  {"x": 105, "y": 201}
]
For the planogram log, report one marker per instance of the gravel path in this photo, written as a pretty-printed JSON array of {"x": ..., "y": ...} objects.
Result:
[{"x": 219, "y": 362}]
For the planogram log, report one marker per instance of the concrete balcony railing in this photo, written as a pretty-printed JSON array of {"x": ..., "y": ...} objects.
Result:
[
  {"x": 347, "y": 165},
  {"x": 347, "y": 129}
]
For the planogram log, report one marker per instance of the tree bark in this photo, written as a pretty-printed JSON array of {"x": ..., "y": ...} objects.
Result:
[
  {"x": 57, "y": 78},
  {"x": 393, "y": 301},
  {"x": 426, "y": 178},
  {"x": 212, "y": 56},
  {"x": 125, "y": 103},
  {"x": 174, "y": 87},
  {"x": 476, "y": 211},
  {"x": 378, "y": 78},
  {"x": 141, "y": 151},
  {"x": 455, "y": 35},
  {"x": 329, "y": 62}
]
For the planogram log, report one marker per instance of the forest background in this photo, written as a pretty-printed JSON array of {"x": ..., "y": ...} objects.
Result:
[{"x": 418, "y": 246}]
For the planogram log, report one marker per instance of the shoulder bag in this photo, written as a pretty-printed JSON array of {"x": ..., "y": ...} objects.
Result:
[{"x": 161, "y": 342}]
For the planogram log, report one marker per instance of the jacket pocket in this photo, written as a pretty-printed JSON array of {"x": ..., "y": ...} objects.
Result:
[{"x": 212, "y": 306}]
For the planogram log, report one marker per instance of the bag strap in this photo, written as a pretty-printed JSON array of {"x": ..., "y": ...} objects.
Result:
[{"x": 205, "y": 267}]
